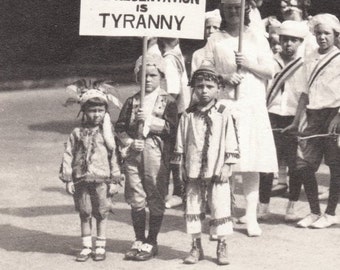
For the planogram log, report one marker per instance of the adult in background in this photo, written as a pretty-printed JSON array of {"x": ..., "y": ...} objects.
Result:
[
  {"x": 256, "y": 142},
  {"x": 212, "y": 24}
]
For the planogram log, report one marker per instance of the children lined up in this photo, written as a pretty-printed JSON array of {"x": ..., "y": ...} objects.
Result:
[{"x": 205, "y": 139}]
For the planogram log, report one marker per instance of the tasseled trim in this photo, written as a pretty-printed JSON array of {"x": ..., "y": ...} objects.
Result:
[
  {"x": 236, "y": 130},
  {"x": 232, "y": 199},
  {"x": 194, "y": 217},
  {"x": 204, "y": 164},
  {"x": 219, "y": 221},
  {"x": 208, "y": 122},
  {"x": 233, "y": 155},
  {"x": 87, "y": 147}
]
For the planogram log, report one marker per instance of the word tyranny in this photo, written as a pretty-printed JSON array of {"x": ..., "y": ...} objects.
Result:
[{"x": 143, "y": 21}]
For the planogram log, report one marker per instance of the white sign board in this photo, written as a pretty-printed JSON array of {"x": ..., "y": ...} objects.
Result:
[{"x": 159, "y": 18}]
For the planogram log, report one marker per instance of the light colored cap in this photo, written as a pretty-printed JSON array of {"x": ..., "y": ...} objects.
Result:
[
  {"x": 93, "y": 94},
  {"x": 326, "y": 19},
  {"x": 293, "y": 29},
  {"x": 151, "y": 60},
  {"x": 213, "y": 15},
  {"x": 231, "y": 2}
]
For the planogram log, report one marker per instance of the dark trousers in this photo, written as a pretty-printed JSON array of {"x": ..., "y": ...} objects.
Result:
[
  {"x": 310, "y": 154},
  {"x": 286, "y": 147}
]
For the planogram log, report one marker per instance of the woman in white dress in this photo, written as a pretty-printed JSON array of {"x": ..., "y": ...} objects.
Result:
[{"x": 257, "y": 148}]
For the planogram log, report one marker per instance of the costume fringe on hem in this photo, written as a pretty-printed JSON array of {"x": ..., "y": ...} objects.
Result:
[
  {"x": 194, "y": 217},
  {"x": 233, "y": 155},
  {"x": 219, "y": 221}
]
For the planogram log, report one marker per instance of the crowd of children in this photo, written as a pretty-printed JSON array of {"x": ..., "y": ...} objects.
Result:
[{"x": 286, "y": 112}]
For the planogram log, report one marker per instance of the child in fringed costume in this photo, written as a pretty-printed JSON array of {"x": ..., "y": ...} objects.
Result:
[
  {"x": 207, "y": 146},
  {"x": 90, "y": 170}
]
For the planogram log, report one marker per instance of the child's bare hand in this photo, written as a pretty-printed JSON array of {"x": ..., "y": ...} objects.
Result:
[
  {"x": 234, "y": 78},
  {"x": 113, "y": 189},
  {"x": 70, "y": 188},
  {"x": 138, "y": 145},
  {"x": 140, "y": 115},
  {"x": 225, "y": 173}
]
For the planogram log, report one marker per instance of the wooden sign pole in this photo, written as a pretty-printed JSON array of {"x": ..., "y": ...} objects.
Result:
[
  {"x": 240, "y": 41},
  {"x": 143, "y": 81}
]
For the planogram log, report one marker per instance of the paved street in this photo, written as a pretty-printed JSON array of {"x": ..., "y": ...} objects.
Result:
[{"x": 39, "y": 228}]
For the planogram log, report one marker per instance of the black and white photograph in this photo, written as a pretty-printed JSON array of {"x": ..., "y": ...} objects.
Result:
[{"x": 170, "y": 134}]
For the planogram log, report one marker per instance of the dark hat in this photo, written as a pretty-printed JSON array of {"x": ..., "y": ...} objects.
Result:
[{"x": 208, "y": 72}]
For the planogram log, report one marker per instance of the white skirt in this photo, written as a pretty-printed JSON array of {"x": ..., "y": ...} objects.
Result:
[{"x": 256, "y": 141}]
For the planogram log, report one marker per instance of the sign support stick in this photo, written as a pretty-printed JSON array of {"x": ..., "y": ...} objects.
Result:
[
  {"x": 240, "y": 41},
  {"x": 142, "y": 88}
]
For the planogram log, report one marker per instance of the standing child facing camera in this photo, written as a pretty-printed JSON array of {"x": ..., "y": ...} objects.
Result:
[
  {"x": 91, "y": 172},
  {"x": 207, "y": 146},
  {"x": 146, "y": 161}
]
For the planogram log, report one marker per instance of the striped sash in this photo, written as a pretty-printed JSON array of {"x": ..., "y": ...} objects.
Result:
[
  {"x": 321, "y": 65},
  {"x": 281, "y": 77}
]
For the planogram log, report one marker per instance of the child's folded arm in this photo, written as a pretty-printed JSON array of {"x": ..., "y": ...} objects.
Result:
[{"x": 166, "y": 125}]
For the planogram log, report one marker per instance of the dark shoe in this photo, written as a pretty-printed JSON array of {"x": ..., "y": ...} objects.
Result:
[
  {"x": 147, "y": 251},
  {"x": 99, "y": 254},
  {"x": 131, "y": 254},
  {"x": 222, "y": 253},
  {"x": 196, "y": 252},
  {"x": 279, "y": 190},
  {"x": 84, "y": 254}
]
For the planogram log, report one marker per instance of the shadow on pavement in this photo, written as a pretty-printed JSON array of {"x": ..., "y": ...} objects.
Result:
[
  {"x": 170, "y": 222},
  {"x": 55, "y": 190},
  {"x": 62, "y": 127},
  {"x": 14, "y": 238},
  {"x": 36, "y": 211}
]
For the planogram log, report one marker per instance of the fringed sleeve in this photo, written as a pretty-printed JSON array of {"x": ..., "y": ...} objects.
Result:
[
  {"x": 65, "y": 173},
  {"x": 178, "y": 154},
  {"x": 115, "y": 172},
  {"x": 232, "y": 153}
]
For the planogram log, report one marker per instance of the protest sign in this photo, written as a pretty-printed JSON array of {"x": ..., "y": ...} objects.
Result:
[{"x": 160, "y": 18}]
